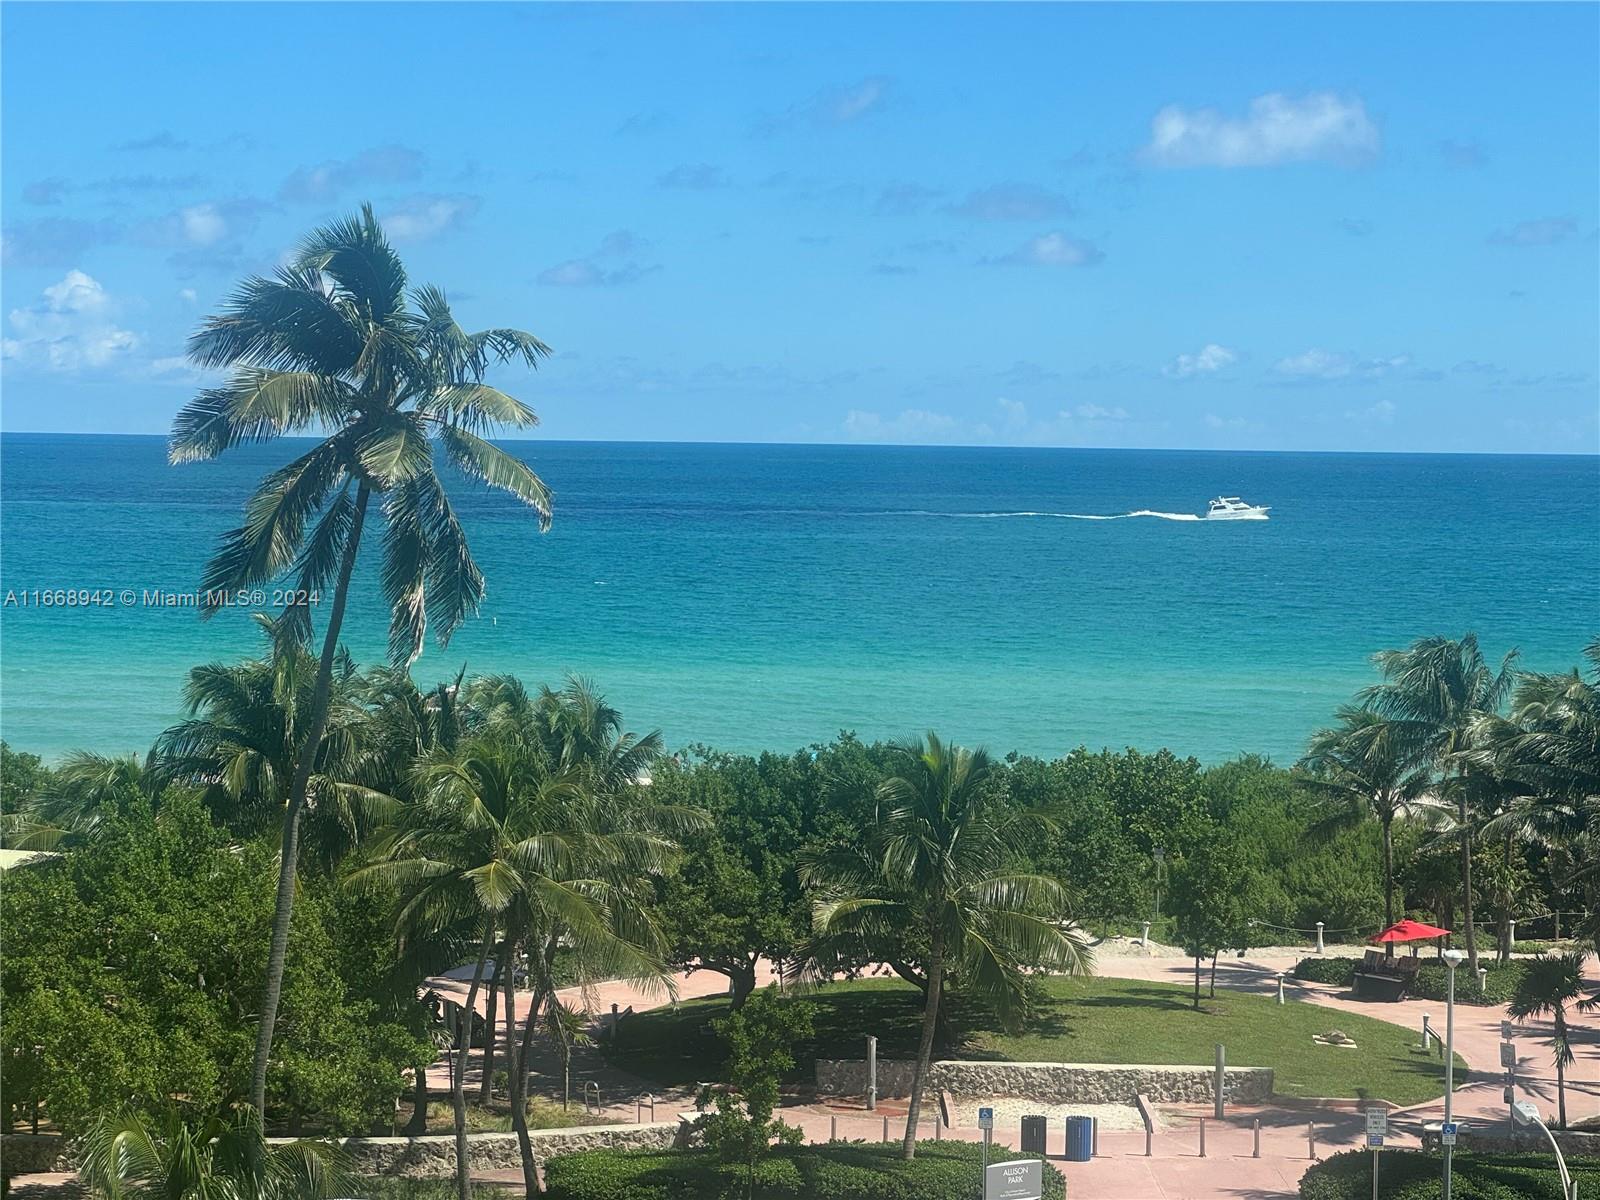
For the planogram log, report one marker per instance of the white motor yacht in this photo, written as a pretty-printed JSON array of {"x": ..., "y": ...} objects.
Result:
[{"x": 1231, "y": 508}]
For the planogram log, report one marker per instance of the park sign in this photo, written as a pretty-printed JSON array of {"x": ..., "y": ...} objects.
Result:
[
  {"x": 1377, "y": 1126},
  {"x": 1020, "y": 1179}
]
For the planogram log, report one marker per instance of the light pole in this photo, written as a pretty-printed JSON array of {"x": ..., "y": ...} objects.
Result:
[
  {"x": 1524, "y": 1113},
  {"x": 1452, "y": 960}
]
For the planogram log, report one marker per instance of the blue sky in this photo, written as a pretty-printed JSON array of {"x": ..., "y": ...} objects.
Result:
[{"x": 1292, "y": 226}]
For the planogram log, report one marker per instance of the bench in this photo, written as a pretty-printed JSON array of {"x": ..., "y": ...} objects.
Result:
[{"x": 1381, "y": 978}]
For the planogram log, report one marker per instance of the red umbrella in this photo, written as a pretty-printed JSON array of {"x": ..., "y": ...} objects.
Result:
[{"x": 1410, "y": 931}]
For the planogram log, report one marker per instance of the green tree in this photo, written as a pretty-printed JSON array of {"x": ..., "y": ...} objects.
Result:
[
  {"x": 22, "y": 777},
  {"x": 333, "y": 343},
  {"x": 1432, "y": 694},
  {"x": 760, "y": 1037},
  {"x": 1212, "y": 902},
  {"x": 941, "y": 862},
  {"x": 1547, "y": 985},
  {"x": 127, "y": 1155},
  {"x": 1365, "y": 773},
  {"x": 72, "y": 803}
]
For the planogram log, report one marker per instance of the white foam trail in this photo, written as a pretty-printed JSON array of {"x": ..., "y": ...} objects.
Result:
[{"x": 1062, "y": 516}]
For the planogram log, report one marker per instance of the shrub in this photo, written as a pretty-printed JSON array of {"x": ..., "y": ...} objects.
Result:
[
  {"x": 835, "y": 1171},
  {"x": 1337, "y": 971},
  {"x": 1409, "y": 1175},
  {"x": 1501, "y": 986},
  {"x": 1530, "y": 947}
]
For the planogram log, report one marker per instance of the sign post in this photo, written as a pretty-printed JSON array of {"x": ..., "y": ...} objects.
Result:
[
  {"x": 1377, "y": 1130},
  {"x": 986, "y": 1123},
  {"x": 1019, "y": 1179}
]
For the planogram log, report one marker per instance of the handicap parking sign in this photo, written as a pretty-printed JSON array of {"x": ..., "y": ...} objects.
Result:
[{"x": 1447, "y": 1133}]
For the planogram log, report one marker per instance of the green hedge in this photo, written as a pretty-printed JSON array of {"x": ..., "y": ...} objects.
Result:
[
  {"x": 1502, "y": 984},
  {"x": 1337, "y": 971},
  {"x": 1409, "y": 1175},
  {"x": 1430, "y": 982},
  {"x": 834, "y": 1171}
]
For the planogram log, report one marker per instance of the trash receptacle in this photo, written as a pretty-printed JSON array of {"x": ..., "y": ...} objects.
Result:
[
  {"x": 1080, "y": 1139},
  {"x": 1033, "y": 1134}
]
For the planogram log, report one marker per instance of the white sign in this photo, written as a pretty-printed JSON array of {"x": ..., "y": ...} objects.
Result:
[
  {"x": 986, "y": 1118},
  {"x": 1508, "y": 1054},
  {"x": 1377, "y": 1122},
  {"x": 1447, "y": 1133},
  {"x": 1020, "y": 1179}
]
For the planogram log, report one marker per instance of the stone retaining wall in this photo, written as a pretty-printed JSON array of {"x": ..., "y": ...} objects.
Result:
[
  {"x": 434, "y": 1156},
  {"x": 430, "y": 1157},
  {"x": 1050, "y": 1083}
]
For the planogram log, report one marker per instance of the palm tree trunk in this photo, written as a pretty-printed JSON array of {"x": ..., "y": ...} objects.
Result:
[
  {"x": 1561, "y": 1063},
  {"x": 458, "y": 1088},
  {"x": 930, "y": 1023},
  {"x": 289, "y": 851},
  {"x": 486, "y": 1086},
  {"x": 1466, "y": 891},
  {"x": 519, "y": 1100},
  {"x": 1388, "y": 880}
]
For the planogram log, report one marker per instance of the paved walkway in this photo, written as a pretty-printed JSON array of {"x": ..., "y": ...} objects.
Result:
[{"x": 1175, "y": 1170}]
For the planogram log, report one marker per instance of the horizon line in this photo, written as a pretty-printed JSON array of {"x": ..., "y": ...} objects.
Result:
[{"x": 63, "y": 433}]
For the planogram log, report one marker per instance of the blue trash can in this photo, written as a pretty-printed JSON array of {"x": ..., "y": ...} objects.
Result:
[{"x": 1080, "y": 1139}]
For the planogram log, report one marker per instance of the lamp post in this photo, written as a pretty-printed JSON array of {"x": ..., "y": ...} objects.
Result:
[
  {"x": 1452, "y": 960},
  {"x": 1524, "y": 1113},
  {"x": 1160, "y": 855}
]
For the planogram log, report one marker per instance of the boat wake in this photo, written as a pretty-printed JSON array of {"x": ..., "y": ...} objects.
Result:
[{"x": 1062, "y": 516}]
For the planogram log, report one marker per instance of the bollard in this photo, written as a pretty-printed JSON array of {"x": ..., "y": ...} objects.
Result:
[
  {"x": 1094, "y": 1137},
  {"x": 1144, "y": 938},
  {"x": 1149, "y": 1136},
  {"x": 872, "y": 1074},
  {"x": 833, "y": 1129},
  {"x": 1311, "y": 1138},
  {"x": 1280, "y": 987},
  {"x": 1219, "y": 1083},
  {"x": 1483, "y": 979},
  {"x": 1256, "y": 1129},
  {"x": 1427, "y": 1033},
  {"x": 1202, "y": 1137},
  {"x": 1511, "y": 931},
  {"x": 1320, "y": 949},
  {"x": 936, "y": 1123},
  {"x": 886, "y": 1129}
]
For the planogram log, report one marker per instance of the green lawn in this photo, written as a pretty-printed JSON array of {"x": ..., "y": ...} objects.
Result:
[{"x": 1080, "y": 1020}]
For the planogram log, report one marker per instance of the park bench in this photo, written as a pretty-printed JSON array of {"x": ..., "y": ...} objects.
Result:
[{"x": 1381, "y": 978}]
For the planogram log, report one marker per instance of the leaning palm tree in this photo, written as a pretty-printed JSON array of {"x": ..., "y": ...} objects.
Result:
[
  {"x": 335, "y": 344},
  {"x": 1432, "y": 693},
  {"x": 1362, "y": 774},
  {"x": 940, "y": 866},
  {"x": 127, "y": 1155},
  {"x": 1549, "y": 983}
]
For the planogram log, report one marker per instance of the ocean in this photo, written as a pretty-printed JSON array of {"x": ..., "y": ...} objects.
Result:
[{"x": 766, "y": 597}]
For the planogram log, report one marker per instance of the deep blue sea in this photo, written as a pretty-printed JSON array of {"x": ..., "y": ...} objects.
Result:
[{"x": 770, "y": 596}]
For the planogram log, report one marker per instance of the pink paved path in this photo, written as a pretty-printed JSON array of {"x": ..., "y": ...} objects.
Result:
[{"x": 1175, "y": 1171}]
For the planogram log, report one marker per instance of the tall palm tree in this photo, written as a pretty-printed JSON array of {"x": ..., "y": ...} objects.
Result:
[
  {"x": 1363, "y": 774},
  {"x": 127, "y": 1155},
  {"x": 940, "y": 864},
  {"x": 1549, "y": 983},
  {"x": 1432, "y": 693},
  {"x": 334, "y": 343}
]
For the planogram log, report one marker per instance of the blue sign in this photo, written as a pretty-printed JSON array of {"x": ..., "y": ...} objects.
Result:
[
  {"x": 1374, "y": 1140},
  {"x": 986, "y": 1118}
]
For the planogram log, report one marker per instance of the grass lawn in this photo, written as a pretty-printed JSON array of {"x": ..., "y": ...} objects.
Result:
[{"x": 1081, "y": 1020}]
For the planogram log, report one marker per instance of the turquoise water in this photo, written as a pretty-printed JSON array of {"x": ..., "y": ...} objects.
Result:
[{"x": 769, "y": 596}]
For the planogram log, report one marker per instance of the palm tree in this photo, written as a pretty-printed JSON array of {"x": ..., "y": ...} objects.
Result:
[
  {"x": 1363, "y": 774},
  {"x": 940, "y": 865},
  {"x": 333, "y": 343},
  {"x": 242, "y": 740},
  {"x": 127, "y": 1155},
  {"x": 1432, "y": 693},
  {"x": 79, "y": 796},
  {"x": 1549, "y": 983}
]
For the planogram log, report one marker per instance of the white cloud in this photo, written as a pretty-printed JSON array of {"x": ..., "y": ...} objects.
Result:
[
  {"x": 1275, "y": 129},
  {"x": 1381, "y": 413},
  {"x": 911, "y": 425},
  {"x": 1210, "y": 359},
  {"x": 1016, "y": 413},
  {"x": 202, "y": 224},
  {"x": 1095, "y": 412},
  {"x": 73, "y": 327},
  {"x": 325, "y": 181},
  {"x": 834, "y": 106},
  {"x": 421, "y": 217},
  {"x": 615, "y": 262},
  {"x": 1316, "y": 365},
  {"x": 1547, "y": 231},
  {"x": 188, "y": 295},
  {"x": 1052, "y": 250},
  {"x": 1012, "y": 202}
]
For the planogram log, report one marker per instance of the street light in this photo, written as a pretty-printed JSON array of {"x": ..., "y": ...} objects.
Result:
[
  {"x": 1452, "y": 960},
  {"x": 1524, "y": 1113}
]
